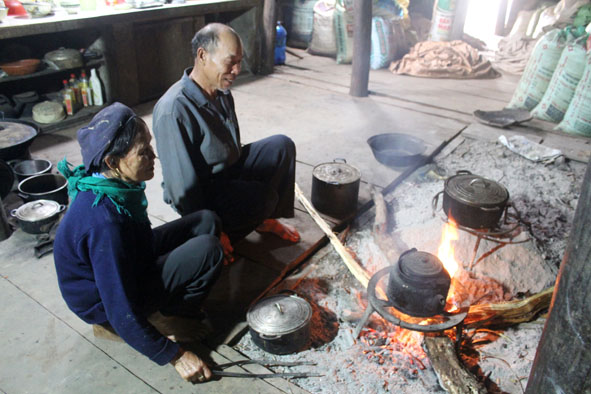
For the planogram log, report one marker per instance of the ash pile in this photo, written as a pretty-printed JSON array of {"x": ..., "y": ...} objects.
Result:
[{"x": 519, "y": 264}]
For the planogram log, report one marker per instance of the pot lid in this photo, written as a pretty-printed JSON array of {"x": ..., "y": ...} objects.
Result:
[
  {"x": 476, "y": 190},
  {"x": 37, "y": 210},
  {"x": 279, "y": 314},
  {"x": 63, "y": 53},
  {"x": 12, "y": 133},
  {"x": 336, "y": 173}
]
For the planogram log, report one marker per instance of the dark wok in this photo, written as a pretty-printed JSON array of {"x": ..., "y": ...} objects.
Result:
[
  {"x": 396, "y": 150},
  {"x": 16, "y": 148}
]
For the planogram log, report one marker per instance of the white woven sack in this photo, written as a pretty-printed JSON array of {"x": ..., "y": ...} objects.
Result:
[
  {"x": 539, "y": 70},
  {"x": 323, "y": 40},
  {"x": 563, "y": 84},
  {"x": 577, "y": 119}
]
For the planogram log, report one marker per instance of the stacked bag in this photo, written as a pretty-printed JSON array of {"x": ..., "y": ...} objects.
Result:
[
  {"x": 326, "y": 28},
  {"x": 556, "y": 83}
]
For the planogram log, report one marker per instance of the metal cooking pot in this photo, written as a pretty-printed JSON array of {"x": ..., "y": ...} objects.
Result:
[
  {"x": 418, "y": 284},
  {"x": 27, "y": 168},
  {"x": 15, "y": 138},
  {"x": 45, "y": 186},
  {"x": 335, "y": 188},
  {"x": 63, "y": 58},
  {"x": 473, "y": 201},
  {"x": 37, "y": 217},
  {"x": 280, "y": 324}
]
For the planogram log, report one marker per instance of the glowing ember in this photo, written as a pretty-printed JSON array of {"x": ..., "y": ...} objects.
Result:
[{"x": 446, "y": 249}]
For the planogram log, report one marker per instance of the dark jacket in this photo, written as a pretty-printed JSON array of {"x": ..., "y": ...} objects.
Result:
[
  {"x": 103, "y": 259},
  {"x": 195, "y": 139}
]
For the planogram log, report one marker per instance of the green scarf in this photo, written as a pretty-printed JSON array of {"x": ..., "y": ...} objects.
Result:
[{"x": 129, "y": 198}]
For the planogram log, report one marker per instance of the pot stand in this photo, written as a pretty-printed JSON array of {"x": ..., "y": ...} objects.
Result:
[
  {"x": 378, "y": 305},
  {"x": 499, "y": 235}
]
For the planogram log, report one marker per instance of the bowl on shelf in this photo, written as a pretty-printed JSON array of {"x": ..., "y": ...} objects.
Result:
[
  {"x": 21, "y": 67},
  {"x": 37, "y": 9},
  {"x": 71, "y": 6},
  {"x": 3, "y": 13}
]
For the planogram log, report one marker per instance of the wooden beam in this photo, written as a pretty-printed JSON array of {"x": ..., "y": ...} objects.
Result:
[
  {"x": 501, "y": 15},
  {"x": 563, "y": 359},
  {"x": 361, "y": 48},
  {"x": 268, "y": 43}
]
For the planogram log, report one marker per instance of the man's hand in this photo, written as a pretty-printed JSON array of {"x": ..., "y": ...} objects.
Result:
[
  {"x": 228, "y": 249},
  {"x": 191, "y": 368},
  {"x": 281, "y": 230}
]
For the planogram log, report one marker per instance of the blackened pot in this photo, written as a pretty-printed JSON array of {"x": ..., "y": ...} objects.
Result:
[
  {"x": 474, "y": 201},
  {"x": 15, "y": 138},
  {"x": 280, "y": 324},
  {"x": 418, "y": 284},
  {"x": 335, "y": 188},
  {"x": 45, "y": 186}
]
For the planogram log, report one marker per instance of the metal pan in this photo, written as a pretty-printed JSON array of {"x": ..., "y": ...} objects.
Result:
[{"x": 396, "y": 150}]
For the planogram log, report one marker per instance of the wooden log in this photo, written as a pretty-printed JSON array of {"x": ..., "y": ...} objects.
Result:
[
  {"x": 510, "y": 312},
  {"x": 452, "y": 374},
  {"x": 563, "y": 358},
  {"x": 358, "y": 272},
  {"x": 361, "y": 48},
  {"x": 380, "y": 224}
]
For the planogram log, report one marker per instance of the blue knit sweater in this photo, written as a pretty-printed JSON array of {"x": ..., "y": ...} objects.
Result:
[{"x": 103, "y": 260}]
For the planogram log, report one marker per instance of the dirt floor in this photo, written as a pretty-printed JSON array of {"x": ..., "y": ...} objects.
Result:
[{"x": 391, "y": 359}]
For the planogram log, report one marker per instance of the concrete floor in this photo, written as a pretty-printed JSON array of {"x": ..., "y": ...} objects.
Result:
[{"x": 48, "y": 349}]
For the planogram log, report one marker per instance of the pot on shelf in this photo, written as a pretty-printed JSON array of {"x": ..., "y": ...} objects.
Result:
[
  {"x": 37, "y": 217},
  {"x": 64, "y": 58},
  {"x": 335, "y": 188},
  {"x": 280, "y": 324},
  {"x": 44, "y": 187},
  {"x": 473, "y": 201}
]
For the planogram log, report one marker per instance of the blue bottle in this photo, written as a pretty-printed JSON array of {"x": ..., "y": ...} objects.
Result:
[{"x": 280, "y": 40}]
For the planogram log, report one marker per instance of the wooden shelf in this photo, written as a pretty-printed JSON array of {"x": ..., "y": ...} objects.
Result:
[
  {"x": 50, "y": 71},
  {"x": 79, "y": 117}
]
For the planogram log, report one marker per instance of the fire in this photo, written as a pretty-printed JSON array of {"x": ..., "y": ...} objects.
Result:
[{"x": 446, "y": 249}]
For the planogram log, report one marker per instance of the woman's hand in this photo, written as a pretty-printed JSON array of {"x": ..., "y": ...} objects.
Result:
[{"x": 191, "y": 368}]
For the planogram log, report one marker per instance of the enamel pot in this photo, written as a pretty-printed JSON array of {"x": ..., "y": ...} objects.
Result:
[
  {"x": 280, "y": 324},
  {"x": 335, "y": 188}
]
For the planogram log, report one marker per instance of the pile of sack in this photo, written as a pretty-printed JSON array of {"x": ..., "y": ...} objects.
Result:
[
  {"x": 556, "y": 83},
  {"x": 325, "y": 28}
]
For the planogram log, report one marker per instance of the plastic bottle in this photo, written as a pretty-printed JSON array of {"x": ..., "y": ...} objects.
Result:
[
  {"x": 85, "y": 90},
  {"x": 97, "y": 89},
  {"x": 76, "y": 96},
  {"x": 68, "y": 98},
  {"x": 280, "y": 40}
]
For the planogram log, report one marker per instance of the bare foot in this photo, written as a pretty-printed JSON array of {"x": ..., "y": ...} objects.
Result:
[{"x": 281, "y": 230}]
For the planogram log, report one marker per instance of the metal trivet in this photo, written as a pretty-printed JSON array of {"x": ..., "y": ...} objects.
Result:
[
  {"x": 378, "y": 305},
  {"x": 497, "y": 235}
]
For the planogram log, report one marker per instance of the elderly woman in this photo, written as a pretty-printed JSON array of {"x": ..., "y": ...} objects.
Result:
[{"x": 113, "y": 269}]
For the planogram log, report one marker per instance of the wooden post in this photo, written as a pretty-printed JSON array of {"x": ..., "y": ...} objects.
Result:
[
  {"x": 501, "y": 15},
  {"x": 268, "y": 44},
  {"x": 5, "y": 229},
  {"x": 563, "y": 359},
  {"x": 457, "y": 27},
  {"x": 361, "y": 48}
]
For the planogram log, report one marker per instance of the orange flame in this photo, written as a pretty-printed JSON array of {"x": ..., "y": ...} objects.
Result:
[{"x": 446, "y": 249}]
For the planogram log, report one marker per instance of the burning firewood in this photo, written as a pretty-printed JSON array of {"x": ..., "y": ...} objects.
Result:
[{"x": 453, "y": 376}]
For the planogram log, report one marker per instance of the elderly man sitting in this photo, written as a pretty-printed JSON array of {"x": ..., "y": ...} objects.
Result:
[{"x": 198, "y": 141}]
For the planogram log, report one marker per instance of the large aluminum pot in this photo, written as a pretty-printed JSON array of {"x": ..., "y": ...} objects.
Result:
[
  {"x": 45, "y": 186},
  {"x": 15, "y": 138},
  {"x": 280, "y": 324},
  {"x": 335, "y": 188},
  {"x": 37, "y": 217},
  {"x": 27, "y": 168}
]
